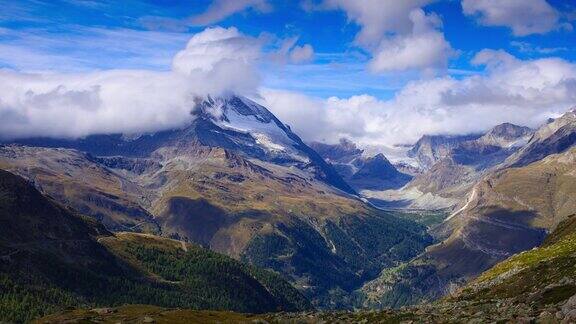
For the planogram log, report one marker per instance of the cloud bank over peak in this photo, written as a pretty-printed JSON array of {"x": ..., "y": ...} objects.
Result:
[
  {"x": 222, "y": 59},
  {"x": 215, "y": 61},
  {"x": 524, "y": 92}
]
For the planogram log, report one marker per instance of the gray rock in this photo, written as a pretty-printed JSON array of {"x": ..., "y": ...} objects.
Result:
[
  {"x": 103, "y": 311},
  {"x": 559, "y": 315},
  {"x": 570, "y": 317},
  {"x": 569, "y": 305}
]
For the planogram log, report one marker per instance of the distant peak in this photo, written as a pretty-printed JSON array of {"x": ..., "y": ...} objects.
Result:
[
  {"x": 346, "y": 143},
  {"x": 380, "y": 156},
  {"x": 378, "y": 159},
  {"x": 217, "y": 108},
  {"x": 509, "y": 130},
  {"x": 569, "y": 116}
]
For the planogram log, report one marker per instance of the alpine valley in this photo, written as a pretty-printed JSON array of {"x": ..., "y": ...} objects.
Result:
[
  {"x": 288, "y": 162},
  {"x": 236, "y": 181},
  {"x": 235, "y": 212}
]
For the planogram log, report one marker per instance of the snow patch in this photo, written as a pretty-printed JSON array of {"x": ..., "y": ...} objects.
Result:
[{"x": 267, "y": 134}]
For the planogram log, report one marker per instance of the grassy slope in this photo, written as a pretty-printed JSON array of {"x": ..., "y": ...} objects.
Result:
[
  {"x": 274, "y": 217},
  {"x": 159, "y": 273},
  {"x": 506, "y": 293},
  {"x": 428, "y": 218},
  {"x": 90, "y": 188},
  {"x": 509, "y": 214},
  {"x": 554, "y": 264},
  {"x": 225, "y": 282},
  {"x": 51, "y": 259},
  {"x": 237, "y": 207}
]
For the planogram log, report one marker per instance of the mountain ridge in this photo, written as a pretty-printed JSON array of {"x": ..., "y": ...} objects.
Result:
[
  {"x": 232, "y": 182},
  {"x": 212, "y": 127},
  {"x": 509, "y": 210},
  {"x": 362, "y": 172},
  {"x": 52, "y": 258}
]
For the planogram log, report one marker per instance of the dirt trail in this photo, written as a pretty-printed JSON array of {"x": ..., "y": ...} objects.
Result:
[{"x": 184, "y": 247}]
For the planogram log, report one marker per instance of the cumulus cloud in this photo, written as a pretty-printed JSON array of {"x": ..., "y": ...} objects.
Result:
[
  {"x": 512, "y": 90},
  {"x": 524, "y": 17},
  {"x": 378, "y": 17},
  {"x": 215, "y": 61},
  {"x": 221, "y": 9},
  {"x": 423, "y": 48},
  {"x": 222, "y": 58},
  {"x": 398, "y": 34}
]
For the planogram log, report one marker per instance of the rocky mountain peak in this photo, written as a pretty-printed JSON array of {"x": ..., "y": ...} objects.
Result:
[
  {"x": 377, "y": 173},
  {"x": 379, "y": 159},
  {"x": 429, "y": 149},
  {"x": 508, "y": 130},
  {"x": 233, "y": 123},
  {"x": 218, "y": 108},
  {"x": 554, "y": 137},
  {"x": 507, "y": 135},
  {"x": 344, "y": 152}
]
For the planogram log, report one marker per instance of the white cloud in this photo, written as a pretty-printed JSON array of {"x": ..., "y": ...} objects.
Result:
[
  {"x": 512, "y": 90},
  {"x": 378, "y": 17},
  {"x": 221, "y": 58},
  {"x": 493, "y": 58},
  {"x": 524, "y": 17},
  {"x": 398, "y": 34},
  {"x": 302, "y": 54},
  {"x": 127, "y": 101},
  {"x": 425, "y": 47},
  {"x": 72, "y": 105},
  {"x": 221, "y": 9}
]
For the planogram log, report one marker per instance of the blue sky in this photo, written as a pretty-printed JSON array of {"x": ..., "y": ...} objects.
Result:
[
  {"x": 379, "y": 72},
  {"x": 70, "y": 35}
]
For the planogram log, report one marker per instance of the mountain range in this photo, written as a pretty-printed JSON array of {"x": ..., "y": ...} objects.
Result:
[
  {"x": 52, "y": 258},
  {"x": 235, "y": 180},
  {"x": 295, "y": 226},
  {"x": 360, "y": 171},
  {"x": 451, "y": 165},
  {"x": 507, "y": 211}
]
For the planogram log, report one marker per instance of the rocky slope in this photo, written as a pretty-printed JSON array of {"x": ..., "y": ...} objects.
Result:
[
  {"x": 505, "y": 293},
  {"x": 508, "y": 212},
  {"x": 235, "y": 180},
  {"x": 557, "y": 136},
  {"x": 453, "y": 165},
  {"x": 360, "y": 171},
  {"x": 430, "y": 149},
  {"x": 52, "y": 258},
  {"x": 79, "y": 181},
  {"x": 550, "y": 299},
  {"x": 232, "y": 123}
]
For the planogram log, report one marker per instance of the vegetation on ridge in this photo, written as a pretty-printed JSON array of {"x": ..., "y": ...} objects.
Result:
[{"x": 52, "y": 259}]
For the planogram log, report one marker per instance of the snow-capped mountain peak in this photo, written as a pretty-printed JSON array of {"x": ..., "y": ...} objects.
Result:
[{"x": 241, "y": 115}]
